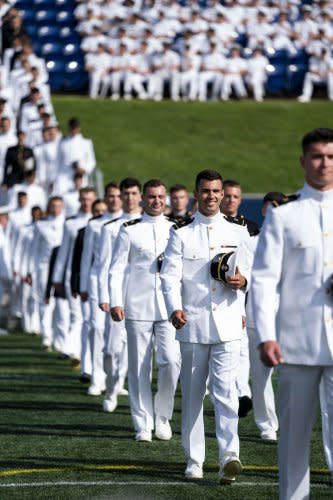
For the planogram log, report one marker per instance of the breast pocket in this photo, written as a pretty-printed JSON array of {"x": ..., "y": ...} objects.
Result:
[
  {"x": 195, "y": 265},
  {"x": 304, "y": 257}
]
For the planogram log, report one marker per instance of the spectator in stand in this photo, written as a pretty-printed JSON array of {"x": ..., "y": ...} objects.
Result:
[
  {"x": 317, "y": 75},
  {"x": 257, "y": 73},
  {"x": 235, "y": 70},
  {"x": 97, "y": 65}
]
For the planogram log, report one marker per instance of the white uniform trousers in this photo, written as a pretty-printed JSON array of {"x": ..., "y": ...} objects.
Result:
[
  {"x": 233, "y": 81},
  {"x": 85, "y": 356},
  {"x": 140, "y": 349},
  {"x": 243, "y": 376},
  {"x": 206, "y": 77},
  {"x": 16, "y": 297},
  {"x": 298, "y": 404},
  {"x": 189, "y": 84},
  {"x": 60, "y": 324},
  {"x": 97, "y": 323},
  {"x": 95, "y": 79},
  {"x": 115, "y": 356},
  {"x": 5, "y": 291},
  {"x": 156, "y": 84},
  {"x": 309, "y": 81},
  {"x": 75, "y": 326},
  {"x": 325, "y": 425},
  {"x": 220, "y": 362},
  {"x": 258, "y": 85},
  {"x": 30, "y": 309},
  {"x": 262, "y": 389},
  {"x": 135, "y": 81}
]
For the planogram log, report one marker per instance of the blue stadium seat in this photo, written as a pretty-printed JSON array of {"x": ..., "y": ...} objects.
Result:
[
  {"x": 48, "y": 33},
  {"x": 277, "y": 56},
  {"x": 46, "y": 16},
  {"x": 66, "y": 17},
  {"x": 301, "y": 57},
  {"x": 23, "y": 5},
  {"x": 68, "y": 35},
  {"x": 37, "y": 48},
  {"x": 56, "y": 70},
  {"x": 32, "y": 30},
  {"x": 44, "y": 4},
  {"x": 28, "y": 15},
  {"x": 71, "y": 50},
  {"x": 75, "y": 77},
  {"x": 52, "y": 49},
  {"x": 295, "y": 77},
  {"x": 276, "y": 80}
]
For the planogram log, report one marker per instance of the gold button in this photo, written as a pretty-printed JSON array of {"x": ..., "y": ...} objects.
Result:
[
  {"x": 326, "y": 263},
  {"x": 326, "y": 234},
  {"x": 214, "y": 308},
  {"x": 328, "y": 320},
  {"x": 213, "y": 289},
  {"x": 210, "y": 227},
  {"x": 212, "y": 248}
]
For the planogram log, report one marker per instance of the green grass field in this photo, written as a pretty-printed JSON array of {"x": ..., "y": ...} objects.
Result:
[
  {"x": 256, "y": 144},
  {"x": 56, "y": 443}
]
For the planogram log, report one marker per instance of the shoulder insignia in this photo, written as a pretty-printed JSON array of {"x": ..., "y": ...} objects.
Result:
[
  {"x": 95, "y": 217},
  {"x": 183, "y": 223},
  {"x": 286, "y": 199},
  {"x": 110, "y": 221},
  {"x": 238, "y": 219},
  {"x": 71, "y": 217},
  {"x": 131, "y": 222}
]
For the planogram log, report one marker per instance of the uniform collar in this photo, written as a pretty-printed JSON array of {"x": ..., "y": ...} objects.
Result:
[
  {"x": 311, "y": 192},
  {"x": 203, "y": 219},
  {"x": 114, "y": 215},
  {"x": 152, "y": 219}
]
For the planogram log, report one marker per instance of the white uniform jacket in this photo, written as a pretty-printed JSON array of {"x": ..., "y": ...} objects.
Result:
[
  {"x": 139, "y": 244},
  {"x": 214, "y": 311},
  {"x": 108, "y": 237},
  {"x": 63, "y": 263},
  {"x": 91, "y": 249},
  {"x": 295, "y": 256}
]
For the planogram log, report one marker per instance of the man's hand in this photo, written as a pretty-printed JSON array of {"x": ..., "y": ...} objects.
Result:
[
  {"x": 270, "y": 353},
  {"x": 237, "y": 281},
  {"x": 84, "y": 296},
  {"x": 178, "y": 319},
  {"x": 104, "y": 307},
  {"x": 117, "y": 313}
]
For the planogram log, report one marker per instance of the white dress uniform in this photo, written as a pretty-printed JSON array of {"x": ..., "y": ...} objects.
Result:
[
  {"x": 115, "y": 342},
  {"x": 73, "y": 149},
  {"x": 297, "y": 259},
  {"x": 6, "y": 275},
  {"x": 54, "y": 317},
  {"x": 211, "y": 72},
  {"x": 189, "y": 76},
  {"x": 234, "y": 66},
  {"x": 139, "y": 67},
  {"x": 139, "y": 244},
  {"x": 210, "y": 340},
  {"x": 97, "y": 66},
  {"x": 166, "y": 69},
  {"x": 257, "y": 75},
  {"x": 36, "y": 195},
  {"x": 88, "y": 283},
  {"x": 261, "y": 376},
  {"x": 62, "y": 269},
  {"x": 46, "y": 163},
  {"x": 318, "y": 73}
]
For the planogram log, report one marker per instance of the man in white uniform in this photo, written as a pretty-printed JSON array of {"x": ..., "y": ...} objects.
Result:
[
  {"x": 88, "y": 284},
  {"x": 62, "y": 271},
  {"x": 115, "y": 345},
  {"x": 297, "y": 260},
  {"x": 139, "y": 248},
  {"x": 208, "y": 316},
  {"x": 75, "y": 155}
]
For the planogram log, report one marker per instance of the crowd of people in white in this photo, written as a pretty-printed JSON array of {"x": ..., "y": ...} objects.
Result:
[{"x": 200, "y": 51}]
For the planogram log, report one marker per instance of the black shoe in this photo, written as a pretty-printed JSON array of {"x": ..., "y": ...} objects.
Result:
[
  {"x": 85, "y": 378},
  {"x": 245, "y": 405}
]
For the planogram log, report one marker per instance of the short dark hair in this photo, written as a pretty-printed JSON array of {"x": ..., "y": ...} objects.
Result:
[
  {"x": 323, "y": 135},
  {"x": 55, "y": 198},
  {"x": 110, "y": 185},
  {"x": 207, "y": 175},
  {"x": 231, "y": 183},
  {"x": 74, "y": 122},
  {"x": 87, "y": 189},
  {"x": 129, "y": 182},
  {"x": 274, "y": 196},
  {"x": 96, "y": 202},
  {"x": 152, "y": 183},
  {"x": 177, "y": 187}
]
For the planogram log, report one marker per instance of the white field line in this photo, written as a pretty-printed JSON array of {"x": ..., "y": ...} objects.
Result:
[{"x": 240, "y": 484}]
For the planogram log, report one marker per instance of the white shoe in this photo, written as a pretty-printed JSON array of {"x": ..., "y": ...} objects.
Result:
[
  {"x": 110, "y": 404},
  {"x": 143, "y": 436},
  {"x": 123, "y": 392},
  {"x": 95, "y": 390},
  {"x": 268, "y": 436},
  {"x": 163, "y": 429},
  {"x": 157, "y": 97},
  {"x": 3, "y": 332},
  {"x": 128, "y": 97},
  {"x": 302, "y": 98},
  {"x": 193, "y": 470},
  {"x": 115, "y": 97},
  {"x": 229, "y": 469}
]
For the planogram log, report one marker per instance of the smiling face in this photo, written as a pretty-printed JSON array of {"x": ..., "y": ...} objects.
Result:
[
  {"x": 209, "y": 195},
  {"x": 154, "y": 200},
  {"x": 317, "y": 162}
]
